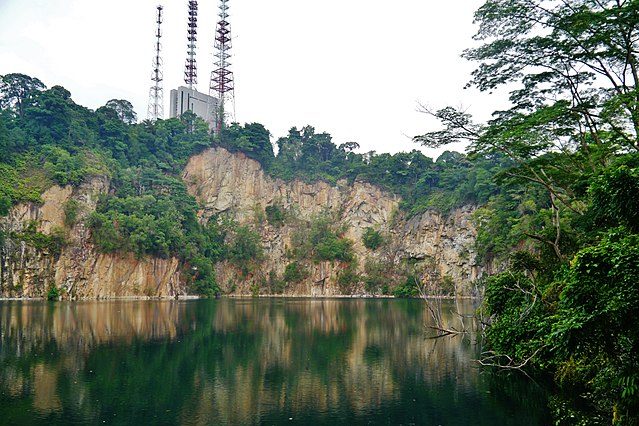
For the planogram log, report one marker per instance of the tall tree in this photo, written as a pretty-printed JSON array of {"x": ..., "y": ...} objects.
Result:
[
  {"x": 123, "y": 110},
  {"x": 16, "y": 90}
]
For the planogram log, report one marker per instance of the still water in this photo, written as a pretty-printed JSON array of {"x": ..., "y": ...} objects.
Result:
[{"x": 266, "y": 361}]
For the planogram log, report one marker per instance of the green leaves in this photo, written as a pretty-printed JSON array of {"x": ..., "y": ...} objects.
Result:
[
  {"x": 614, "y": 198},
  {"x": 16, "y": 90},
  {"x": 372, "y": 239}
]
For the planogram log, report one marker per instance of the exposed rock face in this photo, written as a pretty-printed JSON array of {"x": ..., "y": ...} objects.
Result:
[
  {"x": 78, "y": 271},
  {"x": 235, "y": 185}
]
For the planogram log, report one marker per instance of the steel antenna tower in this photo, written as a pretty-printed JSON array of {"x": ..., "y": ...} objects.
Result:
[
  {"x": 190, "y": 69},
  {"x": 222, "y": 76},
  {"x": 156, "y": 94}
]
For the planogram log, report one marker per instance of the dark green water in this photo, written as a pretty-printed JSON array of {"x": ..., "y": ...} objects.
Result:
[{"x": 268, "y": 361}]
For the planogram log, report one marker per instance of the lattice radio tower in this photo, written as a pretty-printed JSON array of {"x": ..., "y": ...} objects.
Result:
[
  {"x": 156, "y": 94},
  {"x": 190, "y": 69},
  {"x": 222, "y": 76}
]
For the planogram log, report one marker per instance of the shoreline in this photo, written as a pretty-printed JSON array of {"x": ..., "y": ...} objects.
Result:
[{"x": 236, "y": 296}]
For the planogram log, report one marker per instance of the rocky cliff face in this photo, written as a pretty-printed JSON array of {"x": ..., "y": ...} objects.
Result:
[
  {"x": 32, "y": 261},
  {"x": 29, "y": 267},
  {"x": 236, "y": 186}
]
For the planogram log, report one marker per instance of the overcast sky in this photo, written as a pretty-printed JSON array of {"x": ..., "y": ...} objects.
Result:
[{"x": 353, "y": 68}]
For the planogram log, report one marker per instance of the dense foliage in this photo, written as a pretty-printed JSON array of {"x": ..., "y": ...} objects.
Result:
[
  {"x": 48, "y": 139},
  {"x": 567, "y": 215},
  {"x": 322, "y": 240},
  {"x": 372, "y": 239},
  {"x": 453, "y": 180}
]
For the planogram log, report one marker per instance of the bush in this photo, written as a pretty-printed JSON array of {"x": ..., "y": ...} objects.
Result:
[
  {"x": 502, "y": 294},
  {"x": 323, "y": 242},
  {"x": 348, "y": 278},
  {"x": 597, "y": 316},
  {"x": 295, "y": 272},
  {"x": 614, "y": 198},
  {"x": 275, "y": 285},
  {"x": 245, "y": 248},
  {"x": 275, "y": 215},
  {"x": 372, "y": 239},
  {"x": 53, "y": 293},
  {"x": 377, "y": 276},
  {"x": 103, "y": 233},
  {"x": 52, "y": 243},
  {"x": 448, "y": 286},
  {"x": 333, "y": 248},
  {"x": 203, "y": 279},
  {"x": 71, "y": 211},
  {"x": 5, "y": 205},
  {"x": 408, "y": 289}
]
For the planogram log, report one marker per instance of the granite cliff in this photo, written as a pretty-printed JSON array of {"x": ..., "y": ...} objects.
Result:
[
  {"x": 30, "y": 264},
  {"x": 234, "y": 186}
]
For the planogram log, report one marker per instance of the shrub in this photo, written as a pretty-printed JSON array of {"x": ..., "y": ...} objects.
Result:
[
  {"x": 372, "y": 239},
  {"x": 245, "y": 248},
  {"x": 377, "y": 276},
  {"x": 53, "y": 293},
  {"x": 614, "y": 198},
  {"x": 333, "y": 248},
  {"x": 52, "y": 243},
  {"x": 295, "y": 272},
  {"x": 203, "y": 277},
  {"x": 71, "y": 211},
  {"x": 348, "y": 278},
  {"x": 5, "y": 205},
  {"x": 597, "y": 317},
  {"x": 408, "y": 289},
  {"x": 275, "y": 215},
  {"x": 276, "y": 285},
  {"x": 323, "y": 242},
  {"x": 448, "y": 286}
]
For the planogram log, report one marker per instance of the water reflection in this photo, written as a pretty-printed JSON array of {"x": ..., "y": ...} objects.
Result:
[{"x": 247, "y": 362}]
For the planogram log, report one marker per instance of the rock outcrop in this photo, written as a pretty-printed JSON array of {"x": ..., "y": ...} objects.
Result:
[
  {"x": 77, "y": 270},
  {"x": 235, "y": 186}
]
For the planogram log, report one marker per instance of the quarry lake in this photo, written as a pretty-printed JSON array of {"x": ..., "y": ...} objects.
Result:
[{"x": 250, "y": 361}]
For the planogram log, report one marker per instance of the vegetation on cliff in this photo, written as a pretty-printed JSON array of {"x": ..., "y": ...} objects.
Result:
[
  {"x": 567, "y": 215},
  {"x": 47, "y": 139},
  {"x": 451, "y": 181}
]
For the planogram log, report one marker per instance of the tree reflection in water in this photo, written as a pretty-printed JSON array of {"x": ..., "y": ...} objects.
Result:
[{"x": 246, "y": 362}]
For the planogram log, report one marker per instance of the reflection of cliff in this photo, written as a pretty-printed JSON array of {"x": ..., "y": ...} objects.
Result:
[{"x": 226, "y": 361}]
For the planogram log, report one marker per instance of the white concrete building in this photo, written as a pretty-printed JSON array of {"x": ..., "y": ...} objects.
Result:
[{"x": 184, "y": 99}]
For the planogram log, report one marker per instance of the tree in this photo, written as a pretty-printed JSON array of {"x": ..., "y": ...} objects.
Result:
[
  {"x": 252, "y": 139},
  {"x": 349, "y": 147},
  {"x": 578, "y": 51},
  {"x": 49, "y": 116},
  {"x": 5, "y": 140},
  {"x": 575, "y": 104},
  {"x": 245, "y": 248},
  {"x": 17, "y": 89},
  {"x": 571, "y": 141},
  {"x": 123, "y": 110}
]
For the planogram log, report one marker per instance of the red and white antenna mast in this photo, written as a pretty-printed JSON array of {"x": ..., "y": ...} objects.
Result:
[
  {"x": 190, "y": 69},
  {"x": 222, "y": 77},
  {"x": 156, "y": 94}
]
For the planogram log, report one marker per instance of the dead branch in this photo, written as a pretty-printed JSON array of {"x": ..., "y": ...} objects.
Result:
[{"x": 494, "y": 360}]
